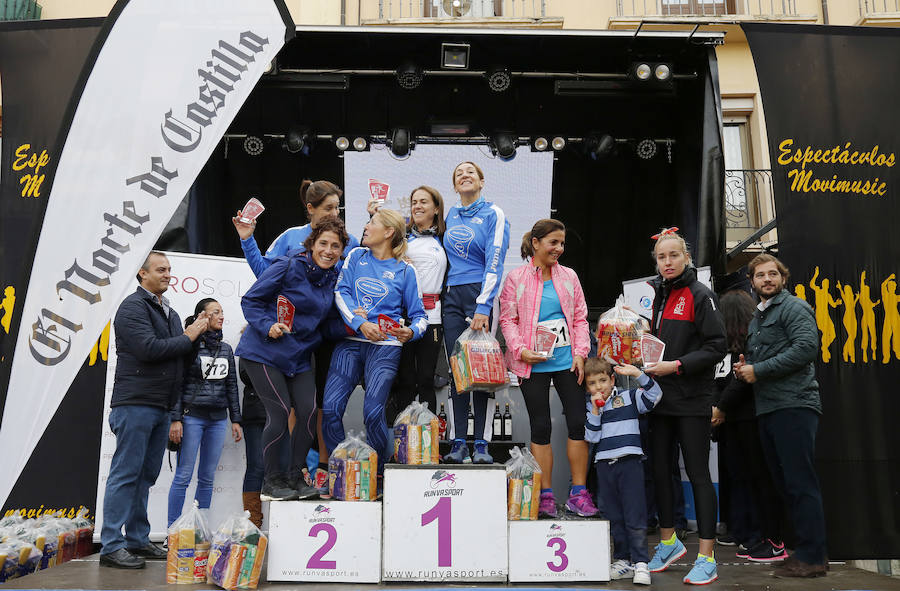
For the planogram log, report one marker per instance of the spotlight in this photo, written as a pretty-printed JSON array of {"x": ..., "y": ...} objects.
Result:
[
  {"x": 455, "y": 56},
  {"x": 642, "y": 71},
  {"x": 599, "y": 147},
  {"x": 342, "y": 143},
  {"x": 540, "y": 144},
  {"x": 360, "y": 144},
  {"x": 253, "y": 145},
  {"x": 409, "y": 75},
  {"x": 646, "y": 149},
  {"x": 663, "y": 72},
  {"x": 400, "y": 143},
  {"x": 558, "y": 143},
  {"x": 504, "y": 145},
  {"x": 498, "y": 79},
  {"x": 296, "y": 139}
]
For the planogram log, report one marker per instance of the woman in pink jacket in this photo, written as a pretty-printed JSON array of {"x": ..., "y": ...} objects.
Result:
[{"x": 542, "y": 295}]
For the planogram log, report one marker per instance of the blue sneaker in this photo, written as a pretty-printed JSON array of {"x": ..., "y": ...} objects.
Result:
[
  {"x": 666, "y": 555},
  {"x": 481, "y": 455},
  {"x": 459, "y": 453},
  {"x": 702, "y": 573}
]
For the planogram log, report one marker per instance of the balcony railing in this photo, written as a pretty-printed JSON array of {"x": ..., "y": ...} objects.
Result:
[
  {"x": 393, "y": 10},
  {"x": 873, "y": 7},
  {"x": 19, "y": 10},
  {"x": 756, "y": 9},
  {"x": 745, "y": 191}
]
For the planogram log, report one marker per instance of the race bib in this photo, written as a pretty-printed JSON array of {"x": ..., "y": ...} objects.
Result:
[
  {"x": 724, "y": 367},
  {"x": 214, "y": 368},
  {"x": 561, "y": 330}
]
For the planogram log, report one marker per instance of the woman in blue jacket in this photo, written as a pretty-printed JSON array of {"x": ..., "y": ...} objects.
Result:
[
  {"x": 277, "y": 357},
  {"x": 200, "y": 414},
  {"x": 374, "y": 281}
]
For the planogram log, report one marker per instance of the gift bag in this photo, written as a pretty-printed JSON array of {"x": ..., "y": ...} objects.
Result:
[
  {"x": 619, "y": 334},
  {"x": 353, "y": 471},
  {"x": 477, "y": 362},
  {"x": 416, "y": 435},
  {"x": 523, "y": 479},
  {"x": 189, "y": 542},
  {"x": 236, "y": 555}
]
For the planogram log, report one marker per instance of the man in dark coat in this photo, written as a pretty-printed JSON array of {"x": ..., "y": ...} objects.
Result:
[{"x": 150, "y": 344}]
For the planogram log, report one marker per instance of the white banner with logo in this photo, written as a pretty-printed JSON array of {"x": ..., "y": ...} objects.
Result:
[
  {"x": 194, "y": 277},
  {"x": 167, "y": 82}
]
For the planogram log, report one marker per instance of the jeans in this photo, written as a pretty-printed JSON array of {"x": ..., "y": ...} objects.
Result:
[
  {"x": 141, "y": 434},
  {"x": 621, "y": 486},
  {"x": 253, "y": 475},
  {"x": 206, "y": 437}
]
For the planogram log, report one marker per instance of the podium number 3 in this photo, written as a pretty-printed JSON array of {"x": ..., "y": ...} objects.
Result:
[
  {"x": 560, "y": 552},
  {"x": 441, "y": 512},
  {"x": 315, "y": 561}
]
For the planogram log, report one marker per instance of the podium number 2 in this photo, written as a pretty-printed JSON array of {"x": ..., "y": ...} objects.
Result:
[
  {"x": 441, "y": 512},
  {"x": 560, "y": 552},
  {"x": 315, "y": 561}
]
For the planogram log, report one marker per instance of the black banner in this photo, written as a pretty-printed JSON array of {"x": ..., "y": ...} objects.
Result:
[
  {"x": 40, "y": 63},
  {"x": 830, "y": 96}
]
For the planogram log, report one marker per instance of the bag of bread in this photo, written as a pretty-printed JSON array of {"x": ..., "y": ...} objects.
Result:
[
  {"x": 353, "y": 471},
  {"x": 619, "y": 333},
  {"x": 477, "y": 362},
  {"x": 523, "y": 478},
  {"x": 189, "y": 541},
  {"x": 236, "y": 554}
]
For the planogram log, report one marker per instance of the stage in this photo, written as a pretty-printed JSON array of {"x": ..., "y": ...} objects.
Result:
[{"x": 733, "y": 574}]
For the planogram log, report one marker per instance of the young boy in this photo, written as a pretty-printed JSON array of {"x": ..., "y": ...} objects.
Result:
[{"x": 612, "y": 423}]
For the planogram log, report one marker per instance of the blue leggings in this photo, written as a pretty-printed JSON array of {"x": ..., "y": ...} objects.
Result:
[{"x": 379, "y": 364}]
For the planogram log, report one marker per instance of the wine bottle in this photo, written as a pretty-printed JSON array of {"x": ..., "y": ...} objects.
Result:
[
  {"x": 507, "y": 424},
  {"x": 497, "y": 425},
  {"x": 442, "y": 423},
  {"x": 470, "y": 425}
]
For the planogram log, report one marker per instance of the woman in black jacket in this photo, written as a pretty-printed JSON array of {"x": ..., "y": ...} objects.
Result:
[
  {"x": 687, "y": 320},
  {"x": 200, "y": 415}
]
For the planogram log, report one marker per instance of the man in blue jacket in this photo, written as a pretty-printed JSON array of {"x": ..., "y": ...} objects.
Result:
[
  {"x": 780, "y": 363},
  {"x": 150, "y": 345}
]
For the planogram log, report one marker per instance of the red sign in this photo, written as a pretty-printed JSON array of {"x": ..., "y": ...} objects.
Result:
[
  {"x": 285, "y": 312},
  {"x": 379, "y": 190}
]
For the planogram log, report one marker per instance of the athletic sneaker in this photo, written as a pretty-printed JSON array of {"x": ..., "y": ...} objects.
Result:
[
  {"x": 621, "y": 569},
  {"x": 581, "y": 504},
  {"x": 744, "y": 551},
  {"x": 459, "y": 453},
  {"x": 641, "y": 574},
  {"x": 547, "y": 508},
  {"x": 768, "y": 551},
  {"x": 276, "y": 488},
  {"x": 726, "y": 540},
  {"x": 481, "y": 455},
  {"x": 665, "y": 555},
  {"x": 702, "y": 573},
  {"x": 321, "y": 483}
]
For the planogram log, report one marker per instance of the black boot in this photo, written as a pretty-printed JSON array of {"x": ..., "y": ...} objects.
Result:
[
  {"x": 300, "y": 480},
  {"x": 277, "y": 488}
]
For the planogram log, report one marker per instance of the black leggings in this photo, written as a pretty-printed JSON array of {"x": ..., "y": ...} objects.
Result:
[
  {"x": 692, "y": 433},
  {"x": 536, "y": 392},
  {"x": 279, "y": 393},
  {"x": 745, "y": 453},
  {"x": 415, "y": 374}
]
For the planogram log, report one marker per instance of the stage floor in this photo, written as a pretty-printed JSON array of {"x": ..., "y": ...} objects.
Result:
[{"x": 87, "y": 574}]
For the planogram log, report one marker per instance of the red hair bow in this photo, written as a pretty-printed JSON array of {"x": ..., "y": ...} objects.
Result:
[{"x": 664, "y": 232}]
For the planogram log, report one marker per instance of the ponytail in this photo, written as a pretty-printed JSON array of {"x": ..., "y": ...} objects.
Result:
[{"x": 527, "y": 250}]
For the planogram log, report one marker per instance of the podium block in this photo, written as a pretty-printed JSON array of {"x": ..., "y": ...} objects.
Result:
[
  {"x": 558, "y": 551},
  {"x": 445, "y": 523},
  {"x": 334, "y": 541}
]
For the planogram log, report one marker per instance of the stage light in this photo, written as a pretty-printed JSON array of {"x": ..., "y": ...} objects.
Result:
[
  {"x": 558, "y": 143},
  {"x": 342, "y": 143},
  {"x": 498, "y": 78},
  {"x": 409, "y": 75},
  {"x": 642, "y": 71},
  {"x": 646, "y": 149},
  {"x": 360, "y": 144},
  {"x": 540, "y": 144},
  {"x": 253, "y": 145},
  {"x": 295, "y": 140},
  {"x": 504, "y": 145},
  {"x": 455, "y": 56},
  {"x": 400, "y": 143},
  {"x": 599, "y": 147},
  {"x": 663, "y": 72}
]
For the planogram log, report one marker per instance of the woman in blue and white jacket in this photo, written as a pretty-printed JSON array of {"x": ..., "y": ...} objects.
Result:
[
  {"x": 476, "y": 240},
  {"x": 375, "y": 280}
]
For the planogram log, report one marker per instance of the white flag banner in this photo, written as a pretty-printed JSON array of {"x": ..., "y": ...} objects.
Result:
[{"x": 167, "y": 81}]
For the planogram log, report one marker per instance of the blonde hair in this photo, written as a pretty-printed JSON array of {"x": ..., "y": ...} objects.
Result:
[
  {"x": 671, "y": 236},
  {"x": 392, "y": 219}
]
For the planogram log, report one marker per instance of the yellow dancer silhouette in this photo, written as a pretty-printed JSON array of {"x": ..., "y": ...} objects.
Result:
[
  {"x": 800, "y": 291},
  {"x": 823, "y": 314},
  {"x": 9, "y": 301},
  {"x": 869, "y": 331},
  {"x": 101, "y": 346},
  {"x": 849, "y": 298},
  {"x": 891, "y": 329}
]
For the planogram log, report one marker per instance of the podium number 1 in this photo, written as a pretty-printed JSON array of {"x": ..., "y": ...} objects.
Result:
[
  {"x": 315, "y": 561},
  {"x": 441, "y": 512},
  {"x": 560, "y": 552}
]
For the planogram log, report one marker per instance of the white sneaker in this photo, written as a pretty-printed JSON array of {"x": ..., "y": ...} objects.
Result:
[
  {"x": 641, "y": 574},
  {"x": 621, "y": 569}
]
